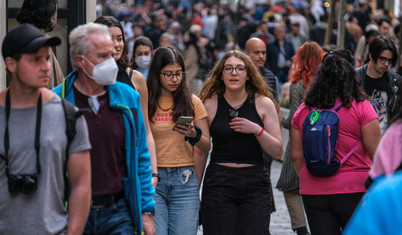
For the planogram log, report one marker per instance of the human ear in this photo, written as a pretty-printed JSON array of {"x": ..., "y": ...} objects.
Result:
[{"x": 11, "y": 64}]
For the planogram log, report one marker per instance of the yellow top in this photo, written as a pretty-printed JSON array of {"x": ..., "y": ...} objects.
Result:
[{"x": 171, "y": 148}]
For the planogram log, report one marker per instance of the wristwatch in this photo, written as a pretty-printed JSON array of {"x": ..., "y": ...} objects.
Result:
[{"x": 157, "y": 176}]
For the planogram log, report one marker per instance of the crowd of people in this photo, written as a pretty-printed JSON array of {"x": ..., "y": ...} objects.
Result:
[{"x": 125, "y": 163}]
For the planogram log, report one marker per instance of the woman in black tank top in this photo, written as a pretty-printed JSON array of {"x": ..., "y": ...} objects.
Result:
[
  {"x": 132, "y": 78},
  {"x": 243, "y": 123}
]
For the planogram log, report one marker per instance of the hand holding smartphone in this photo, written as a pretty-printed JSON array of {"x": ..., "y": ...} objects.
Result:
[{"x": 183, "y": 120}]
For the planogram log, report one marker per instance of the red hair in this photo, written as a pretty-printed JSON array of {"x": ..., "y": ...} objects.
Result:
[{"x": 306, "y": 62}]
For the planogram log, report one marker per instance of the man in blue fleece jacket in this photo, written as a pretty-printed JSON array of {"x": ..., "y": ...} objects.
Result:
[{"x": 120, "y": 162}]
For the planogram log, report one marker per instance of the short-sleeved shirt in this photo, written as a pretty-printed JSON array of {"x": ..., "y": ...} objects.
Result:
[
  {"x": 42, "y": 212},
  {"x": 171, "y": 148},
  {"x": 352, "y": 174}
]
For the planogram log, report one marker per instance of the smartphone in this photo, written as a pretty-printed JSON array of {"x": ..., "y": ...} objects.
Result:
[{"x": 183, "y": 120}]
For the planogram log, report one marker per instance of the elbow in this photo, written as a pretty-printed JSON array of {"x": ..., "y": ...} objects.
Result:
[{"x": 278, "y": 156}]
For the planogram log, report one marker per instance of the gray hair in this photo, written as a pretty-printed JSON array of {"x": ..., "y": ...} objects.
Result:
[{"x": 79, "y": 40}]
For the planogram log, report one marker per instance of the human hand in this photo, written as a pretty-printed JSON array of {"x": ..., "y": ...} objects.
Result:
[
  {"x": 187, "y": 130},
  {"x": 148, "y": 224},
  {"x": 244, "y": 125},
  {"x": 154, "y": 181}
]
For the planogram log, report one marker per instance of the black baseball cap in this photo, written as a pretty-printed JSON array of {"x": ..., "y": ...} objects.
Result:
[{"x": 26, "y": 38}]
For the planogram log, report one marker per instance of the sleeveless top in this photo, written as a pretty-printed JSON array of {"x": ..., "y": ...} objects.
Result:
[
  {"x": 230, "y": 146},
  {"x": 123, "y": 77}
]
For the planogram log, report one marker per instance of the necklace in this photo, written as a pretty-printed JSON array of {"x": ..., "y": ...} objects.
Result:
[{"x": 165, "y": 110}]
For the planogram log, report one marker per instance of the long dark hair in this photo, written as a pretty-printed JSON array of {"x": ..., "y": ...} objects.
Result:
[
  {"x": 182, "y": 97},
  {"x": 110, "y": 21},
  {"x": 38, "y": 13},
  {"x": 336, "y": 77}
]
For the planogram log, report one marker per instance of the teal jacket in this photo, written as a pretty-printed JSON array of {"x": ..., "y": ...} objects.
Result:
[{"x": 138, "y": 188}]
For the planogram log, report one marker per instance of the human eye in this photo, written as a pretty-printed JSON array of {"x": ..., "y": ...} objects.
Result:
[
  {"x": 240, "y": 68},
  {"x": 228, "y": 68},
  {"x": 168, "y": 74}
]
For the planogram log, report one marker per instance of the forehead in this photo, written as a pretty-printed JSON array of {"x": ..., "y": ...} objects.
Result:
[
  {"x": 386, "y": 53},
  {"x": 43, "y": 51},
  {"x": 385, "y": 24},
  {"x": 234, "y": 61},
  {"x": 114, "y": 30},
  {"x": 100, "y": 41},
  {"x": 172, "y": 67},
  {"x": 258, "y": 46},
  {"x": 142, "y": 48}
]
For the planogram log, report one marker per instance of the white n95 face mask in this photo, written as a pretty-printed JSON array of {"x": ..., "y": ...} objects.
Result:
[
  {"x": 143, "y": 61},
  {"x": 104, "y": 73}
]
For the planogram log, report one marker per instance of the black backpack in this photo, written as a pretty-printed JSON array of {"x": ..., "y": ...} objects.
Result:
[{"x": 71, "y": 115}]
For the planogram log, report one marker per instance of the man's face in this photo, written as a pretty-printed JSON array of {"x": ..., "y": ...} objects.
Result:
[
  {"x": 383, "y": 61},
  {"x": 279, "y": 33},
  {"x": 257, "y": 53},
  {"x": 384, "y": 28},
  {"x": 102, "y": 49},
  {"x": 32, "y": 70}
]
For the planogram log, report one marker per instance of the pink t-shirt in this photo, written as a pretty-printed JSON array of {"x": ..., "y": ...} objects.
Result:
[{"x": 352, "y": 174}]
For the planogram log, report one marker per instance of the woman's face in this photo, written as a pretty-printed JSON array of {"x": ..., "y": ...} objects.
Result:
[
  {"x": 117, "y": 38},
  {"x": 171, "y": 76},
  {"x": 142, "y": 50},
  {"x": 234, "y": 73}
]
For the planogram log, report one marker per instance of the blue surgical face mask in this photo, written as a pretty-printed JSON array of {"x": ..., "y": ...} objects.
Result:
[{"x": 104, "y": 73}]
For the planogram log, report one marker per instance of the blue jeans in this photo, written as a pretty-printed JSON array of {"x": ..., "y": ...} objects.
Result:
[
  {"x": 114, "y": 219},
  {"x": 177, "y": 201}
]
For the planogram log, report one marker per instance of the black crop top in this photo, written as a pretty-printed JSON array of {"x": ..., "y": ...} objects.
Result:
[
  {"x": 123, "y": 77},
  {"x": 230, "y": 146}
]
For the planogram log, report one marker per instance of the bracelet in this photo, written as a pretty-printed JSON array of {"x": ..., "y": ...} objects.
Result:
[
  {"x": 262, "y": 130},
  {"x": 197, "y": 138},
  {"x": 157, "y": 176}
]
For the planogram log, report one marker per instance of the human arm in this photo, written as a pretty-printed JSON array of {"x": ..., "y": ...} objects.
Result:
[
  {"x": 200, "y": 157},
  {"x": 143, "y": 170},
  {"x": 295, "y": 99},
  {"x": 296, "y": 149},
  {"x": 269, "y": 136},
  {"x": 388, "y": 156},
  {"x": 147, "y": 224},
  {"x": 371, "y": 136},
  {"x": 140, "y": 85},
  {"x": 79, "y": 175}
]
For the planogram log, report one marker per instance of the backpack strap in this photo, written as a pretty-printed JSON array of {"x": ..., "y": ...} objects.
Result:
[
  {"x": 338, "y": 107},
  {"x": 130, "y": 74},
  {"x": 71, "y": 115},
  {"x": 351, "y": 152}
]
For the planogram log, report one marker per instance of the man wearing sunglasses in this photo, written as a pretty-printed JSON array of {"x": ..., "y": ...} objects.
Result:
[{"x": 379, "y": 81}]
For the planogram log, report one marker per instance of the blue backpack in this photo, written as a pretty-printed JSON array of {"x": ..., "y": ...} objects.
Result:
[{"x": 320, "y": 133}]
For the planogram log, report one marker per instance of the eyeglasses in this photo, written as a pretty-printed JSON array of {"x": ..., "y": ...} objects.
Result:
[
  {"x": 384, "y": 59},
  {"x": 168, "y": 75},
  {"x": 229, "y": 69}
]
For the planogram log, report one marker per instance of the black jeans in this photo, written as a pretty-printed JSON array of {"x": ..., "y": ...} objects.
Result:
[
  {"x": 328, "y": 214},
  {"x": 236, "y": 200}
]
